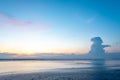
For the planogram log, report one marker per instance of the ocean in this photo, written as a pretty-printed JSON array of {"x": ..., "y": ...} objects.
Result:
[{"x": 28, "y": 66}]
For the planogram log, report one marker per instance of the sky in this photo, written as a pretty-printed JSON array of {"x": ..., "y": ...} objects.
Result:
[{"x": 58, "y": 26}]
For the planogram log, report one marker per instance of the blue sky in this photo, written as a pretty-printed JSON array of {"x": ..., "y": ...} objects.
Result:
[{"x": 58, "y": 26}]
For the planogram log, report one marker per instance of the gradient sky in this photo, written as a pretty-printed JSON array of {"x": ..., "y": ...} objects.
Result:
[{"x": 58, "y": 26}]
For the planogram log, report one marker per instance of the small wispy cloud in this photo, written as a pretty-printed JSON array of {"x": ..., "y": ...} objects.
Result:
[
  {"x": 91, "y": 19},
  {"x": 18, "y": 56},
  {"x": 83, "y": 19},
  {"x": 117, "y": 43},
  {"x": 9, "y": 20}
]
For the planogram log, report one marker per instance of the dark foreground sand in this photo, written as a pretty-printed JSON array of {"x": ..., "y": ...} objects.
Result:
[{"x": 66, "y": 75}]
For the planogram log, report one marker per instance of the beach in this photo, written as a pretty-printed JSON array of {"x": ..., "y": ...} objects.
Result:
[
  {"x": 60, "y": 70},
  {"x": 85, "y": 74}
]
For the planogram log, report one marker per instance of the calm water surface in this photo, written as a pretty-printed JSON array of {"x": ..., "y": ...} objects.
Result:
[{"x": 40, "y": 66}]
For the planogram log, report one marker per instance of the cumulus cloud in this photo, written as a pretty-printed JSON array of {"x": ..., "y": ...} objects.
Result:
[{"x": 97, "y": 48}]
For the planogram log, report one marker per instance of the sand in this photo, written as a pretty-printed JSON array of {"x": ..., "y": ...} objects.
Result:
[{"x": 66, "y": 75}]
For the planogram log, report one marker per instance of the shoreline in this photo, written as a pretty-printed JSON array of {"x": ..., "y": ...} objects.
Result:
[{"x": 86, "y": 74}]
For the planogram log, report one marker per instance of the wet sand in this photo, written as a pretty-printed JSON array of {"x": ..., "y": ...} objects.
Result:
[{"x": 85, "y": 74}]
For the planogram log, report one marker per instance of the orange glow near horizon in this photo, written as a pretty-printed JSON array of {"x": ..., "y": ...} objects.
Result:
[
  {"x": 31, "y": 52},
  {"x": 30, "y": 49},
  {"x": 53, "y": 51}
]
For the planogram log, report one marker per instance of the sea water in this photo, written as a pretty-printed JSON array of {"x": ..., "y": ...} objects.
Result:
[{"x": 28, "y": 66}]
